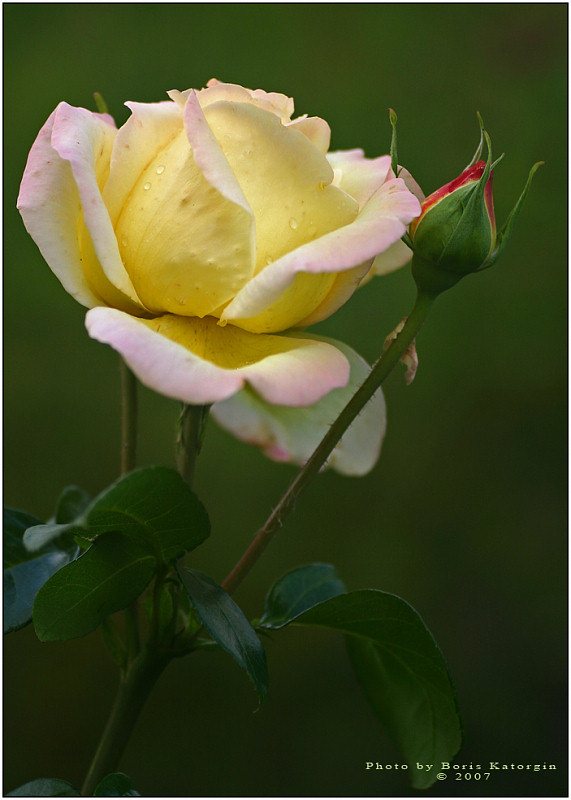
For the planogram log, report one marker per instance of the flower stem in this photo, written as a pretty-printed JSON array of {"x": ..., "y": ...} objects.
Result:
[
  {"x": 379, "y": 372},
  {"x": 133, "y": 692},
  {"x": 129, "y": 462},
  {"x": 191, "y": 433},
  {"x": 128, "y": 419}
]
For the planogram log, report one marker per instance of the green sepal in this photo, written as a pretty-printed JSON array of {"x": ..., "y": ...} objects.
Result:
[
  {"x": 474, "y": 217},
  {"x": 506, "y": 231},
  {"x": 117, "y": 784},
  {"x": 393, "y": 150},
  {"x": 226, "y": 623},
  {"x": 100, "y": 103},
  {"x": 45, "y": 787},
  {"x": 479, "y": 150}
]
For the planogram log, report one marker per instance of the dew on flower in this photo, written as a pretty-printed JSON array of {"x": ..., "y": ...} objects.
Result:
[
  {"x": 147, "y": 186},
  {"x": 160, "y": 169},
  {"x": 293, "y": 223}
]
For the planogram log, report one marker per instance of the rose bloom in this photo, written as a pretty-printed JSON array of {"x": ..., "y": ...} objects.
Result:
[{"x": 203, "y": 235}]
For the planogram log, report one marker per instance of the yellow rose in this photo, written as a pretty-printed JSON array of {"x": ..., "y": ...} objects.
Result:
[{"x": 206, "y": 227}]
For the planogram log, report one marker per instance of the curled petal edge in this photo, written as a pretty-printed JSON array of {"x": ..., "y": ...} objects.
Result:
[{"x": 293, "y": 371}]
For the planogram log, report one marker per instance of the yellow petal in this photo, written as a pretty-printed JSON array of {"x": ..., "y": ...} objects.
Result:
[
  {"x": 185, "y": 245},
  {"x": 285, "y": 179}
]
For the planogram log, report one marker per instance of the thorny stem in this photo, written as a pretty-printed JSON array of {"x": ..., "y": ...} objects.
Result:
[{"x": 379, "y": 372}]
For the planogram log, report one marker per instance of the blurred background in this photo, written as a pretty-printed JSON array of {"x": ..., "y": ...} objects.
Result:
[{"x": 464, "y": 515}]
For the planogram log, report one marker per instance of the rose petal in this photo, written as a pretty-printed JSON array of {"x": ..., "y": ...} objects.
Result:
[
  {"x": 198, "y": 362},
  {"x": 292, "y": 434},
  {"x": 50, "y": 207},
  {"x": 269, "y": 301},
  {"x": 149, "y": 129},
  {"x": 210, "y": 156},
  {"x": 317, "y": 131},
  {"x": 394, "y": 258},
  {"x": 285, "y": 178},
  {"x": 279, "y": 104},
  {"x": 359, "y": 176},
  {"x": 85, "y": 141},
  {"x": 185, "y": 230}
]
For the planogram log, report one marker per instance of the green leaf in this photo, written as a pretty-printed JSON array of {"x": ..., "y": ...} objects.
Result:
[
  {"x": 116, "y": 785},
  {"x": 152, "y": 505},
  {"x": 106, "y": 578},
  {"x": 227, "y": 625},
  {"x": 24, "y": 572},
  {"x": 22, "y": 584},
  {"x": 46, "y": 787},
  {"x": 15, "y": 525},
  {"x": 298, "y": 591},
  {"x": 402, "y": 672},
  {"x": 72, "y": 503}
]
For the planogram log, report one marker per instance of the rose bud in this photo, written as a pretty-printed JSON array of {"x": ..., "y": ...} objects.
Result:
[{"x": 455, "y": 233}]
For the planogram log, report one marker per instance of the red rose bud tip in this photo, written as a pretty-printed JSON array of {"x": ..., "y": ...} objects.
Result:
[{"x": 455, "y": 233}]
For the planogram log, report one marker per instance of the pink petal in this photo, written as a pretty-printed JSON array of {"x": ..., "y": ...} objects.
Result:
[
  {"x": 359, "y": 176},
  {"x": 198, "y": 362},
  {"x": 80, "y": 138},
  {"x": 380, "y": 223},
  {"x": 50, "y": 207},
  {"x": 292, "y": 434},
  {"x": 316, "y": 130}
]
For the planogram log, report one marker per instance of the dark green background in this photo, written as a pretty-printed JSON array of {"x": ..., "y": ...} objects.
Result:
[{"x": 464, "y": 516}]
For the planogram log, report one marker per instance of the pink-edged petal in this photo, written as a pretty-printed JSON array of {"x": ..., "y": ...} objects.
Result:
[
  {"x": 359, "y": 176},
  {"x": 50, "y": 207},
  {"x": 343, "y": 287},
  {"x": 265, "y": 303},
  {"x": 85, "y": 140},
  {"x": 285, "y": 178},
  {"x": 292, "y": 434},
  {"x": 198, "y": 362},
  {"x": 209, "y": 156},
  {"x": 149, "y": 129},
  {"x": 316, "y": 130},
  {"x": 279, "y": 104},
  {"x": 411, "y": 184},
  {"x": 185, "y": 232},
  {"x": 394, "y": 258}
]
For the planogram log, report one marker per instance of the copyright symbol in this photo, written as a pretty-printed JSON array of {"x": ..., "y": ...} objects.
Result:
[{"x": 442, "y": 776}]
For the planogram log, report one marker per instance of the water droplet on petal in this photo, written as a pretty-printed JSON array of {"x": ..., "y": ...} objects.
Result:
[
  {"x": 269, "y": 260},
  {"x": 147, "y": 186},
  {"x": 293, "y": 223},
  {"x": 123, "y": 242},
  {"x": 160, "y": 169}
]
